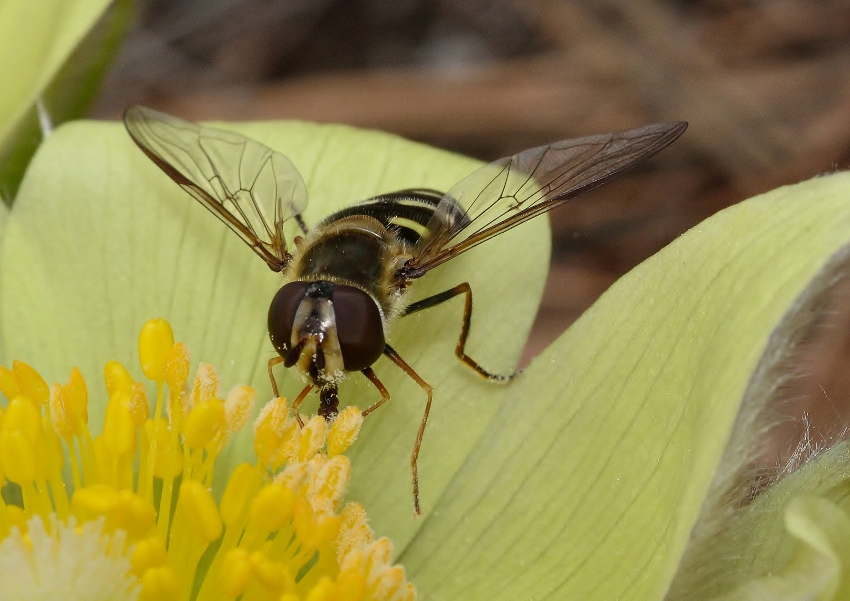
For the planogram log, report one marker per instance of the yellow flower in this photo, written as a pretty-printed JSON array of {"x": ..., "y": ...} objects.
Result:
[{"x": 140, "y": 520}]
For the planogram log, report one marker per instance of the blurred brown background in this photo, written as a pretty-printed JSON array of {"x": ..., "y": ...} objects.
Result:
[{"x": 765, "y": 85}]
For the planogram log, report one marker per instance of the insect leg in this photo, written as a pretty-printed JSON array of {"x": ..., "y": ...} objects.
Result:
[
  {"x": 414, "y": 456},
  {"x": 297, "y": 403},
  {"x": 437, "y": 299},
  {"x": 300, "y": 221},
  {"x": 385, "y": 395},
  {"x": 272, "y": 362}
]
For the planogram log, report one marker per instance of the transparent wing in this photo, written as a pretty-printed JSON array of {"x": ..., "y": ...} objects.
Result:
[
  {"x": 251, "y": 188},
  {"x": 512, "y": 190}
]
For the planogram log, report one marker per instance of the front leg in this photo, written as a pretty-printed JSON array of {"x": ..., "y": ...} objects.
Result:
[
  {"x": 385, "y": 395},
  {"x": 429, "y": 390},
  {"x": 272, "y": 362}
]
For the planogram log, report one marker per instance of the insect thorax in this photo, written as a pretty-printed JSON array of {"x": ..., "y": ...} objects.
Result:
[{"x": 356, "y": 250}]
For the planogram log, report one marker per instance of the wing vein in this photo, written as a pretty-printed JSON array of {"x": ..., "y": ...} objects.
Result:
[
  {"x": 244, "y": 183},
  {"x": 512, "y": 190}
]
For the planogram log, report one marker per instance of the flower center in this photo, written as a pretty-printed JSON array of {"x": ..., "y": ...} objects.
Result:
[{"x": 142, "y": 520}]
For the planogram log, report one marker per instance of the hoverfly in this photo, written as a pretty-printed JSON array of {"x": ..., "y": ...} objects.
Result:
[{"x": 348, "y": 278}]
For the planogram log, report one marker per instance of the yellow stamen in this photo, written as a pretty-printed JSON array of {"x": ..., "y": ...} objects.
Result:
[
  {"x": 148, "y": 553},
  {"x": 177, "y": 366},
  {"x": 9, "y": 384},
  {"x": 155, "y": 342},
  {"x": 323, "y": 591},
  {"x": 311, "y": 439},
  {"x": 271, "y": 508},
  {"x": 137, "y": 404},
  {"x": 274, "y": 434},
  {"x": 243, "y": 485},
  {"x": 19, "y": 442},
  {"x": 32, "y": 385},
  {"x": 160, "y": 584},
  {"x": 203, "y": 424},
  {"x": 133, "y": 514},
  {"x": 75, "y": 399},
  {"x": 94, "y": 500},
  {"x": 119, "y": 429},
  {"x": 201, "y": 511},
  {"x": 168, "y": 462},
  {"x": 205, "y": 386},
  {"x": 274, "y": 576},
  {"x": 236, "y": 572},
  {"x": 237, "y": 407},
  {"x": 274, "y": 535},
  {"x": 116, "y": 377},
  {"x": 344, "y": 430}
]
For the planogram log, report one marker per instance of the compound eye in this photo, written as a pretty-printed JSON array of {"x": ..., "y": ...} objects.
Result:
[
  {"x": 282, "y": 314},
  {"x": 359, "y": 327}
]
